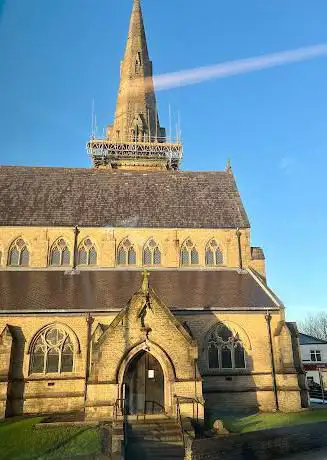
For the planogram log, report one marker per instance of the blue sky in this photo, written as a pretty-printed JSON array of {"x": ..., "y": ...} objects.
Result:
[{"x": 56, "y": 56}]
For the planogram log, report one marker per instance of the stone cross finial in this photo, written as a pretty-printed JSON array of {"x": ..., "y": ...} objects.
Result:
[
  {"x": 145, "y": 283},
  {"x": 229, "y": 166}
]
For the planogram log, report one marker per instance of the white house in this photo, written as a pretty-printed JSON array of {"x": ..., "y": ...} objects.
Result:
[{"x": 314, "y": 358}]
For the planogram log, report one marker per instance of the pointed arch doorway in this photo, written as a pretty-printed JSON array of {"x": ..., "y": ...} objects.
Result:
[{"x": 144, "y": 385}]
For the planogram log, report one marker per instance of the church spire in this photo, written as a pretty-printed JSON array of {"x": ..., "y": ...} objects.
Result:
[
  {"x": 136, "y": 116},
  {"x": 136, "y": 140}
]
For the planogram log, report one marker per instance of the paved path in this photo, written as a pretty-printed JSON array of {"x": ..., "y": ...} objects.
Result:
[{"x": 320, "y": 454}]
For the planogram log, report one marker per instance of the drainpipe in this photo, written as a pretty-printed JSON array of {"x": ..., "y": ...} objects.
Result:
[
  {"x": 238, "y": 234},
  {"x": 89, "y": 322},
  {"x": 196, "y": 390},
  {"x": 268, "y": 320},
  {"x": 75, "y": 255}
]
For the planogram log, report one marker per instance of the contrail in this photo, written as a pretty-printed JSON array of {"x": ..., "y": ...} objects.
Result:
[{"x": 227, "y": 69}]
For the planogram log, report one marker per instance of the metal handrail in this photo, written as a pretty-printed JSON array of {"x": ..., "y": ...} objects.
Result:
[
  {"x": 154, "y": 403},
  {"x": 179, "y": 419},
  {"x": 120, "y": 404},
  {"x": 195, "y": 403}
]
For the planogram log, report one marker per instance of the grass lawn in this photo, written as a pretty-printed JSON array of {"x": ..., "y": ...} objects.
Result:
[
  {"x": 20, "y": 440},
  {"x": 263, "y": 421}
]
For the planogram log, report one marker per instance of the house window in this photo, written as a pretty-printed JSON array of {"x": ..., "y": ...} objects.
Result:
[
  {"x": 315, "y": 355},
  {"x": 87, "y": 254},
  {"x": 18, "y": 253},
  {"x": 189, "y": 254},
  {"x": 225, "y": 350},
  {"x": 53, "y": 352},
  {"x": 126, "y": 254},
  {"x": 151, "y": 253},
  {"x": 213, "y": 254}
]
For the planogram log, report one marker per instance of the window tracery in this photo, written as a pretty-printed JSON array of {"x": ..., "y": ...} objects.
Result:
[
  {"x": 18, "y": 253},
  {"x": 60, "y": 253},
  {"x": 151, "y": 253},
  {"x": 87, "y": 253},
  {"x": 53, "y": 352},
  {"x": 213, "y": 254},
  {"x": 126, "y": 254},
  {"x": 189, "y": 253},
  {"x": 225, "y": 349}
]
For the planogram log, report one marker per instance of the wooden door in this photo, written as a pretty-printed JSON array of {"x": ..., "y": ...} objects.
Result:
[{"x": 144, "y": 385}]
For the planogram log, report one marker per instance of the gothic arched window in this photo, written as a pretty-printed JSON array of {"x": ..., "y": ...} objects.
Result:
[
  {"x": 52, "y": 352},
  {"x": 213, "y": 255},
  {"x": 18, "y": 253},
  {"x": 126, "y": 254},
  {"x": 60, "y": 253},
  {"x": 87, "y": 253},
  {"x": 151, "y": 253},
  {"x": 189, "y": 253},
  {"x": 225, "y": 349}
]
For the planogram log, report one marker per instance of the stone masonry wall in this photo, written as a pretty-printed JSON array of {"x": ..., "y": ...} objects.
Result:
[{"x": 40, "y": 240}]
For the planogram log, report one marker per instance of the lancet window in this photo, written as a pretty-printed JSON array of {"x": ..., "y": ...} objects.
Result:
[
  {"x": 53, "y": 352},
  {"x": 18, "y": 253},
  {"x": 126, "y": 254},
  {"x": 189, "y": 254},
  {"x": 60, "y": 253},
  {"x": 213, "y": 255},
  {"x": 151, "y": 253},
  {"x": 87, "y": 253},
  {"x": 225, "y": 349}
]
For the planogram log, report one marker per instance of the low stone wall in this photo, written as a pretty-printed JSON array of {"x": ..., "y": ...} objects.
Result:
[{"x": 261, "y": 445}]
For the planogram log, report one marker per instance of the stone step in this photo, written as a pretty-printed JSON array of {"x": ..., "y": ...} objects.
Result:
[
  {"x": 155, "y": 451},
  {"x": 155, "y": 440},
  {"x": 161, "y": 433}
]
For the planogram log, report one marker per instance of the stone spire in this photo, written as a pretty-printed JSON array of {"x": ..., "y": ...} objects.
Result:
[
  {"x": 136, "y": 140},
  {"x": 136, "y": 117}
]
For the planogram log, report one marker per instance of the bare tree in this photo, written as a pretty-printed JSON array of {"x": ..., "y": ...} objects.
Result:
[{"x": 315, "y": 325}]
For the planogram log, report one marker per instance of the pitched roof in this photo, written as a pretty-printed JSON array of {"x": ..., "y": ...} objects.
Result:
[
  {"x": 112, "y": 289},
  {"x": 97, "y": 198},
  {"x": 306, "y": 339}
]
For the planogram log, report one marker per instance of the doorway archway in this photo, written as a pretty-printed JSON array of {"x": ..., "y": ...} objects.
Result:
[{"x": 144, "y": 385}]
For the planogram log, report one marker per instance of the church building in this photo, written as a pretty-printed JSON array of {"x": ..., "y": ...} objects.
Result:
[{"x": 134, "y": 283}]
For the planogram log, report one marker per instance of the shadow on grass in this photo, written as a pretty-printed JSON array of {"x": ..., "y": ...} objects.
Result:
[{"x": 60, "y": 444}]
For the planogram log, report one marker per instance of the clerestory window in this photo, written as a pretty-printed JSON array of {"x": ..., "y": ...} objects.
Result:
[
  {"x": 189, "y": 253},
  {"x": 151, "y": 253},
  {"x": 87, "y": 253},
  {"x": 225, "y": 350},
  {"x": 213, "y": 254},
  {"x": 18, "y": 253},
  {"x": 53, "y": 352},
  {"x": 60, "y": 253},
  {"x": 126, "y": 254}
]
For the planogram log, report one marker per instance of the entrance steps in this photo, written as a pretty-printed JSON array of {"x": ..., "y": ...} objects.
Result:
[{"x": 155, "y": 439}]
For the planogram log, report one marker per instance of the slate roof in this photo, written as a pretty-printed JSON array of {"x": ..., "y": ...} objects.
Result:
[
  {"x": 310, "y": 340},
  {"x": 97, "y": 198},
  {"x": 111, "y": 289}
]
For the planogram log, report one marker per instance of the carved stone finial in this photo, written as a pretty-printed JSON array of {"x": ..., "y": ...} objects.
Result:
[
  {"x": 145, "y": 283},
  {"x": 229, "y": 166}
]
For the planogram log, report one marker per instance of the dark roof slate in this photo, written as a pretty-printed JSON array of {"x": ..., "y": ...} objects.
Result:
[
  {"x": 97, "y": 198},
  {"x": 111, "y": 289},
  {"x": 306, "y": 339}
]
